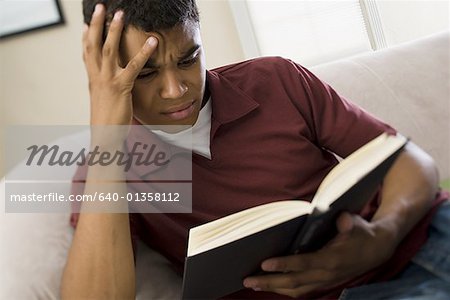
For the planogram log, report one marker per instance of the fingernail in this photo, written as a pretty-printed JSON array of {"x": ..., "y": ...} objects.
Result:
[
  {"x": 118, "y": 15},
  {"x": 251, "y": 284},
  {"x": 269, "y": 266},
  {"x": 151, "y": 41},
  {"x": 98, "y": 9}
]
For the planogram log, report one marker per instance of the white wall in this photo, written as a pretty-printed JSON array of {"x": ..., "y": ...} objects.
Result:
[
  {"x": 219, "y": 33},
  {"x": 42, "y": 78}
]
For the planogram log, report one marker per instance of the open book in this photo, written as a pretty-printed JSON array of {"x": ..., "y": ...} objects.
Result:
[{"x": 223, "y": 252}]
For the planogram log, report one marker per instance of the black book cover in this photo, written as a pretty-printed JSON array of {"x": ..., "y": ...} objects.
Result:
[
  {"x": 321, "y": 226},
  {"x": 221, "y": 271}
]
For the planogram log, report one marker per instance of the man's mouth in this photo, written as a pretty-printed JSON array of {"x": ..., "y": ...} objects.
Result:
[{"x": 180, "y": 112}]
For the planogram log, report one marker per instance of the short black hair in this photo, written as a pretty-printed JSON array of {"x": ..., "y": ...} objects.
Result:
[{"x": 147, "y": 15}]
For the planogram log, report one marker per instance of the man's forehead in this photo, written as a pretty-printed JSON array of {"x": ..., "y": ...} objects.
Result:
[{"x": 180, "y": 37}]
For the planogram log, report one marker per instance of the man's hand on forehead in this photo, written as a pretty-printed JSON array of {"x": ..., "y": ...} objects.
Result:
[{"x": 111, "y": 85}]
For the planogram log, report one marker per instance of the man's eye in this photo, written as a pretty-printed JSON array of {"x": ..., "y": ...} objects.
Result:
[
  {"x": 146, "y": 75},
  {"x": 189, "y": 62}
]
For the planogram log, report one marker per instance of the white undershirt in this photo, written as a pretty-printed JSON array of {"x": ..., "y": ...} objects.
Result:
[{"x": 196, "y": 137}]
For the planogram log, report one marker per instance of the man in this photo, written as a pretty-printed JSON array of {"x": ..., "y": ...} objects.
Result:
[{"x": 264, "y": 131}]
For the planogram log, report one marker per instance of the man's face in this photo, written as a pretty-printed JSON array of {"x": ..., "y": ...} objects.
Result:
[{"x": 169, "y": 89}]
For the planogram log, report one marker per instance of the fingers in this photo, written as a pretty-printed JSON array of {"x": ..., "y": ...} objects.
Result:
[
  {"x": 337, "y": 262},
  {"x": 294, "y": 293},
  {"x": 298, "y": 262},
  {"x": 103, "y": 59},
  {"x": 92, "y": 38},
  {"x": 135, "y": 65},
  {"x": 292, "y": 280},
  {"x": 96, "y": 27},
  {"x": 110, "y": 50}
]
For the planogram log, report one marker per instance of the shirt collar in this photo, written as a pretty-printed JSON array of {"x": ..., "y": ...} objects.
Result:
[{"x": 229, "y": 103}]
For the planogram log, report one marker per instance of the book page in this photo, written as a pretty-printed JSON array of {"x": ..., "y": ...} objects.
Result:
[{"x": 244, "y": 223}]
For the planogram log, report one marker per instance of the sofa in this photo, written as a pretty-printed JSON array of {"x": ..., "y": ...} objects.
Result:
[{"x": 406, "y": 85}]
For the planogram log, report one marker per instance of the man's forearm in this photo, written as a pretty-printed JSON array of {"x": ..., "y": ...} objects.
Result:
[
  {"x": 100, "y": 264},
  {"x": 407, "y": 194}
]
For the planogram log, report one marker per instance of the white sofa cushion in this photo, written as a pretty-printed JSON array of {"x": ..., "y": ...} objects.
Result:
[{"x": 407, "y": 86}]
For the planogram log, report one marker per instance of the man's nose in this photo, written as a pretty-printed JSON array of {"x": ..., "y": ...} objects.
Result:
[{"x": 173, "y": 86}]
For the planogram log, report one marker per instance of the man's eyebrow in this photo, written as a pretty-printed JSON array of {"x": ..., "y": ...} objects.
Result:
[
  {"x": 151, "y": 64},
  {"x": 189, "y": 52}
]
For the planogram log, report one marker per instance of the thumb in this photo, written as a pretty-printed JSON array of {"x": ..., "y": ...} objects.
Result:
[{"x": 345, "y": 223}]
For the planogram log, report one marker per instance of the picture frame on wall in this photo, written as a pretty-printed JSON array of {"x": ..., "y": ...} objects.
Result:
[{"x": 20, "y": 16}]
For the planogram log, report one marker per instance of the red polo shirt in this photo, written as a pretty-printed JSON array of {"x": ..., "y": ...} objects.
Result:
[{"x": 274, "y": 126}]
